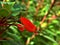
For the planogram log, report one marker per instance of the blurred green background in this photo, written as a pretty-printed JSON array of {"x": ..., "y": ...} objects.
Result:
[{"x": 34, "y": 10}]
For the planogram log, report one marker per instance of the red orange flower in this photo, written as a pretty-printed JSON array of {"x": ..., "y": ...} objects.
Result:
[
  {"x": 20, "y": 27},
  {"x": 29, "y": 26}
]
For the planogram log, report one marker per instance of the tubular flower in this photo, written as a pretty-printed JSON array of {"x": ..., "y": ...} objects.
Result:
[
  {"x": 20, "y": 27},
  {"x": 28, "y": 25}
]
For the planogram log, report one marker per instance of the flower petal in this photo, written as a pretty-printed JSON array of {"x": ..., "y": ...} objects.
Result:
[{"x": 20, "y": 27}]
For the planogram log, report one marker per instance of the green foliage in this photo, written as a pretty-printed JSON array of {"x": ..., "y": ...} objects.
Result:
[
  {"x": 4, "y": 12},
  {"x": 49, "y": 32}
]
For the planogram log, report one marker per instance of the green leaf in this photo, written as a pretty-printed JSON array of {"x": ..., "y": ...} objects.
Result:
[
  {"x": 4, "y": 12},
  {"x": 45, "y": 10},
  {"x": 55, "y": 44},
  {"x": 55, "y": 21},
  {"x": 49, "y": 38},
  {"x": 31, "y": 9},
  {"x": 50, "y": 32},
  {"x": 14, "y": 29},
  {"x": 8, "y": 5}
]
